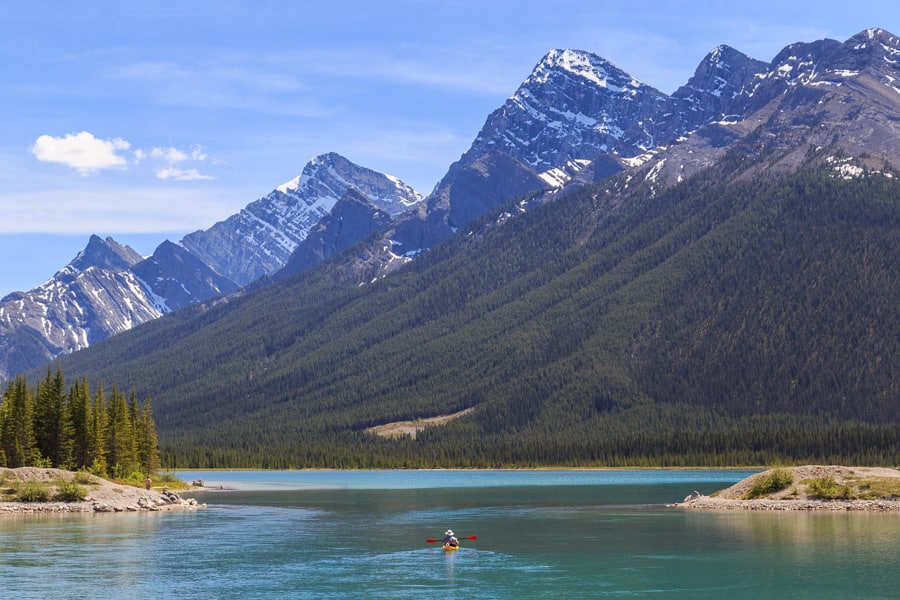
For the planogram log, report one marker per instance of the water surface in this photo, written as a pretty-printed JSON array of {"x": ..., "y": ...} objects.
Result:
[{"x": 541, "y": 534}]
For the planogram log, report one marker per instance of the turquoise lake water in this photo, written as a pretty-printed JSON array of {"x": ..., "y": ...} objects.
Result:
[{"x": 541, "y": 534}]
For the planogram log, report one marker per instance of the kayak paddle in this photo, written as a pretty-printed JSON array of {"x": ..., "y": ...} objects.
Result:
[{"x": 432, "y": 540}]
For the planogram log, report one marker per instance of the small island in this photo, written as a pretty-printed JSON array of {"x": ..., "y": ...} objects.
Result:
[
  {"x": 810, "y": 488},
  {"x": 28, "y": 490}
]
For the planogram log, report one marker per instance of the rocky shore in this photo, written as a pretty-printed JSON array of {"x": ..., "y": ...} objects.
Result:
[
  {"x": 869, "y": 489},
  {"x": 103, "y": 496}
]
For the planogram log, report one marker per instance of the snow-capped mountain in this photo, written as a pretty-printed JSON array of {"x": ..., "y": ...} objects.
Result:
[
  {"x": 109, "y": 288},
  {"x": 841, "y": 96},
  {"x": 575, "y": 120},
  {"x": 174, "y": 278},
  {"x": 576, "y": 105},
  {"x": 829, "y": 92},
  {"x": 578, "y": 119},
  {"x": 105, "y": 290},
  {"x": 260, "y": 238}
]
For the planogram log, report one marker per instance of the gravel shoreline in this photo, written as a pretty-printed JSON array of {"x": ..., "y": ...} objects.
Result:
[
  {"x": 103, "y": 496},
  {"x": 708, "y": 503}
]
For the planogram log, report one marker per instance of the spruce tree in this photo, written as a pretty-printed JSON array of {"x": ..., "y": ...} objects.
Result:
[
  {"x": 17, "y": 433},
  {"x": 82, "y": 420},
  {"x": 52, "y": 421},
  {"x": 147, "y": 441},
  {"x": 119, "y": 436},
  {"x": 99, "y": 465}
]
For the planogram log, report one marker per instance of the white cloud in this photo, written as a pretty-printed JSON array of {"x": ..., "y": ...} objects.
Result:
[
  {"x": 181, "y": 174},
  {"x": 169, "y": 154},
  {"x": 81, "y": 151}
]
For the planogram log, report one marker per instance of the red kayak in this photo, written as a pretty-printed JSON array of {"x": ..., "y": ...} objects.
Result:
[{"x": 449, "y": 547}]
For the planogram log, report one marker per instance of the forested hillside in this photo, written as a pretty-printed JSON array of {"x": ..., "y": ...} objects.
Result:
[{"x": 713, "y": 323}]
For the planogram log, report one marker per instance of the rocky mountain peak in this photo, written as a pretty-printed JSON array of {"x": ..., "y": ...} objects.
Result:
[
  {"x": 719, "y": 78},
  {"x": 874, "y": 37},
  {"x": 590, "y": 67},
  {"x": 874, "y": 50},
  {"x": 260, "y": 239},
  {"x": 106, "y": 253},
  {"x": 722, "y": 73},
  {"x": 331, "y": 175},
  {"x": 574, "y": 105}
]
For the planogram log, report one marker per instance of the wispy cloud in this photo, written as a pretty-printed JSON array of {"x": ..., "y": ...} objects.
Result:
[
  {"x": 181, "y": 174},
  {"x": 170, "y": 158},
  {"x": 458, "y": 70},
  {"x": 81, "y": 151},
  {"x": 86, "y": 209},
  {"x": 232, "y": 82}
]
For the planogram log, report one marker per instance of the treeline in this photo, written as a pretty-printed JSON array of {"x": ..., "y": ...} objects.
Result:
[
  {"x": 777, "y": 439},
  {"x": 50, "y": 426}
]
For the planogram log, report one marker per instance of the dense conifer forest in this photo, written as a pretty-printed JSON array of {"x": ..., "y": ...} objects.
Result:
[
  {"x": 729, "y": 320},
  {"x": 74, "y": 429}
]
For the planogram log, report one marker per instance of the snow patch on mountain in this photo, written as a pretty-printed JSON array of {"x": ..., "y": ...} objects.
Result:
[{"x": 559, "y": 177}]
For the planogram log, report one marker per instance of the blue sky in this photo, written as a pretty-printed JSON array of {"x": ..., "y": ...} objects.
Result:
[{"x": 149, "y": 120}]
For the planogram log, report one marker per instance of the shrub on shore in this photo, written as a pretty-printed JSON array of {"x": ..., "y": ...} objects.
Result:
[
  {"x": 768, "y": 483},
  {"x": 826, "y": 488},
  {"x": 70, "y": 491},
  {"x": 33, "y": 491}
]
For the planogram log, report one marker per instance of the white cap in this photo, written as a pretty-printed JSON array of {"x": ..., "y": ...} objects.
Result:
[{"x": 448, "y": 532}]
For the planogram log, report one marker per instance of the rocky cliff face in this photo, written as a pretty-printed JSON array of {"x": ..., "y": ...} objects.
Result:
[
  {"x": 260, "y": 239},
  {"x": 710, "y": 93},
  {"x": 175, "y": 278},
  {"x": 829, "y": 93},
  {"x": 575, "y": 105},
  {"x": 843, "y": 97},
  {"x": 352, "y": 219}
]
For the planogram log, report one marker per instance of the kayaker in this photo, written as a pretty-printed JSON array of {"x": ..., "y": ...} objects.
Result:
[{"x": 450, "y": 539}]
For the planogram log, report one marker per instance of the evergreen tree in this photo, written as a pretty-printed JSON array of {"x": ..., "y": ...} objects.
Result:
[
  {"x": 82, "y": 420},
  {"x": 97, "y": 451},
  {"x": 119, "y": 436},
  {"x": 52, "y": 420},
  {"x": 70, "y": 430},
  {"x": 147, "y": 442},
  {"x": 17, "y": 434}
]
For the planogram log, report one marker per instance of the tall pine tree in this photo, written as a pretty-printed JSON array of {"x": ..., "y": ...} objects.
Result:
[
  {"x": 119, "y": 436},
  {"x": 52, "y": 420},
  {"x": 82, "y": 416},
  {"x": 146, "y": 440},
  {"x": 17, "y": 425}
]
